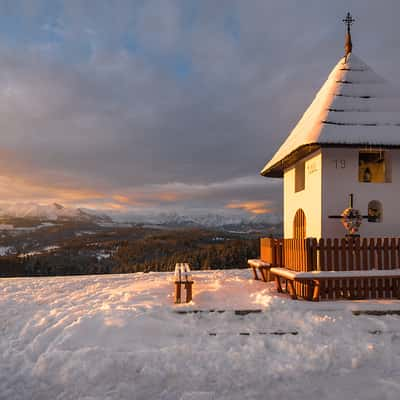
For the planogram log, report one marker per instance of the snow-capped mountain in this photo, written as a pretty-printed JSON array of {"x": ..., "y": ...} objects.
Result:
[
  {"x": 209, "y": 220},
  {"x": 51, "y": 212},
  {"x": 202, "y": 219},
  {"x": 58, "y": 212}
]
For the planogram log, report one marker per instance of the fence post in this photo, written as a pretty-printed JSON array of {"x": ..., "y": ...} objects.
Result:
[
  {"x": 271, "y": 251},
  {"x": 311, "y": 254},
  {"x": 266, "y": 253},
  {"x": 310, "y": 264}
]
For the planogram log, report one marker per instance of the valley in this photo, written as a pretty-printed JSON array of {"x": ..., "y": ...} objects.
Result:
[{"x": 32, "y": 247}]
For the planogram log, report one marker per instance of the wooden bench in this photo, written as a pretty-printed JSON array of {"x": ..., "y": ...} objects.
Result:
[
  {"x": 183, "y": 280},
  {"x": 317, "y": 276},
  {"x": 262, "y": 267}
]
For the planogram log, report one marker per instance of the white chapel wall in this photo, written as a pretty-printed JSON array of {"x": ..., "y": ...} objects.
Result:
[
  {"x": 309, "y": 199},
  {"x": 340, "y": 178}
]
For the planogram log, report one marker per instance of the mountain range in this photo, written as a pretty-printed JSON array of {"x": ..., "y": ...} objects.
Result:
[
  {"x": 50, "y": 212},
  {"x": 238, "y": 222},
  {"x": 58, "y": 212}
]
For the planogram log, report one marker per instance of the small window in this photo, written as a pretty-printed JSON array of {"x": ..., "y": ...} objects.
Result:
[
  {"x": 300, "y": 176},
  {"x": 374, "y": 211},
  {"x": 374, "y": 167}
]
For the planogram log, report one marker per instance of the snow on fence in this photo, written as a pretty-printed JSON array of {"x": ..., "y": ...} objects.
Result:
[{"x": 346, "y": 254}]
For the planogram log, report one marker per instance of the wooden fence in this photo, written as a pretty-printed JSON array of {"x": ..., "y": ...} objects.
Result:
[
  {"x": 294, "y": 254},
  {"x": 345, "y": 254},
  {"x": 272, "y": 251}
]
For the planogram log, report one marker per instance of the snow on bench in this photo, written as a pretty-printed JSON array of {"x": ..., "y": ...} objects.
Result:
[
  {"x": 262, "y": 266},
  {"x": 257, "y": 263},
  {"x": 372, "y": 273},
  {"x": 318, "y": 276}
]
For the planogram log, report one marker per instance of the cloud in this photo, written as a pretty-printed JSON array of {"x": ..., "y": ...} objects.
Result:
[
  {"x": 17, "y": 189},
  {"x": 94, "y": 108},
  {"x": 158, "y": 25},
  {"x": 254, "y": 207},
  {"x": 121, "y": 198},
  {"x": 214, "y": 196}
]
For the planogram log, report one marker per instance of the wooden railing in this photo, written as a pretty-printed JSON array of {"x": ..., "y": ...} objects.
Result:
[
  {"x": 357, "y": 254},
  {"x": 294, "y": 254},
  {"x": 272, "y": 251},
  {"x": 346, "y": 254}
]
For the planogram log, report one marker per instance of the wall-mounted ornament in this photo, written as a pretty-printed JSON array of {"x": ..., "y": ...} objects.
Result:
[{"x": 351, "y": 219}]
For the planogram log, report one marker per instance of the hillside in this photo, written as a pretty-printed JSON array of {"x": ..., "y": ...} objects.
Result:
[
  {"x": 118, "y": 337},
  {"x": 79, "y": 247}
]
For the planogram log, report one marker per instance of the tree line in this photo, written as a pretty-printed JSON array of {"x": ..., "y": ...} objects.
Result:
[{"x": 155, "y": 251}]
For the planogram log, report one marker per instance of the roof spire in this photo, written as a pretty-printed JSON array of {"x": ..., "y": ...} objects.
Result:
[{"x": 348, "y": 46}]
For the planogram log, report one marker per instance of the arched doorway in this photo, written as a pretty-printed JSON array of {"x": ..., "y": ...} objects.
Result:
[{"x": 299, "y": 225}]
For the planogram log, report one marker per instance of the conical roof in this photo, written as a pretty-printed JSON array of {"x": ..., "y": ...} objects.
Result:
[{"x": 355, "y": 106}]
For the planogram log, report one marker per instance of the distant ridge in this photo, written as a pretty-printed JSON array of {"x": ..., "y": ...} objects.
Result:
[
  {"x": 57, "y": 212},
  {"x": 51, "y": 212},
  {"x": 224, "y": 221}
]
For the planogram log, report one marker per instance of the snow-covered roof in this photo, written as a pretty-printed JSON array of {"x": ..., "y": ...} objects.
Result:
[{"x": 355, "y": 106}]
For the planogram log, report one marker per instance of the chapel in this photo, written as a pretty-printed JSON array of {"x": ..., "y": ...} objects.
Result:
[{"x": 346, "y": 143}]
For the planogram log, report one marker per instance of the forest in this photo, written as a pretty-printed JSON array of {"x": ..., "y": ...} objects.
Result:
[{"x": 135, "y": 250}]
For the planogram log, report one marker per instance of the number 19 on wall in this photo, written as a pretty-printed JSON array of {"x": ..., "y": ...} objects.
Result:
[{"x": 340, "y": 164}]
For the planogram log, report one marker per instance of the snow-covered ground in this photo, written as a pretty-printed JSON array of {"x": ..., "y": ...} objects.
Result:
[
  {"x": 4, "y": 250},
  {"x": 46, "y": 249},
  {"x": 118, "y": 337}
]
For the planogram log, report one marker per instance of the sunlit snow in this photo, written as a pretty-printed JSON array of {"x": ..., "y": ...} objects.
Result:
[{"x": 118, "y": 337}]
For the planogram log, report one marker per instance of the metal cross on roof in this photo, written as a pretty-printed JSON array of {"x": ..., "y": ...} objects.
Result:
[
  {"x": 349, "y": 20},
  {"x": 348, "y": 46}
]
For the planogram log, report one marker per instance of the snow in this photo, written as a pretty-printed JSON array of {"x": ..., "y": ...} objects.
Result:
[
  {"x": 257, "y": 263},
  {"x": 51, "y": 248},
  {"x": 33, "y": 210},
  {"x": 352, "y": 98},
  {"x": 83, "y": 233},
  {"x": 13, "y": 229},
  {"x": 46, "y": 249},
  {"x": 52, "y": 212},
  {"x": 102, "y": 255},
  {"x": 4, "y": 250},
  {"x": 154, "y": 219},
  {"x": 118, "y": 337},
  {"x": 6, "y": 227},
  {"x": 47, "y": 224},
  {"x": 372, "y": 273}
]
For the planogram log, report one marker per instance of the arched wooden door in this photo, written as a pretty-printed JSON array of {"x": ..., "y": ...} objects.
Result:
[{"x": 299, "y": 225}]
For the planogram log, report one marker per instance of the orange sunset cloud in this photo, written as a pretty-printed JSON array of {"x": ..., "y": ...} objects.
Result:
[
  {"x": 253, "y": 207},
  {"x": 120, "y": 198}
]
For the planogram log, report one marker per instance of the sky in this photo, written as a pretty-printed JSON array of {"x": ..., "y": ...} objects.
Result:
[{"x": 174, "y": 105}]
